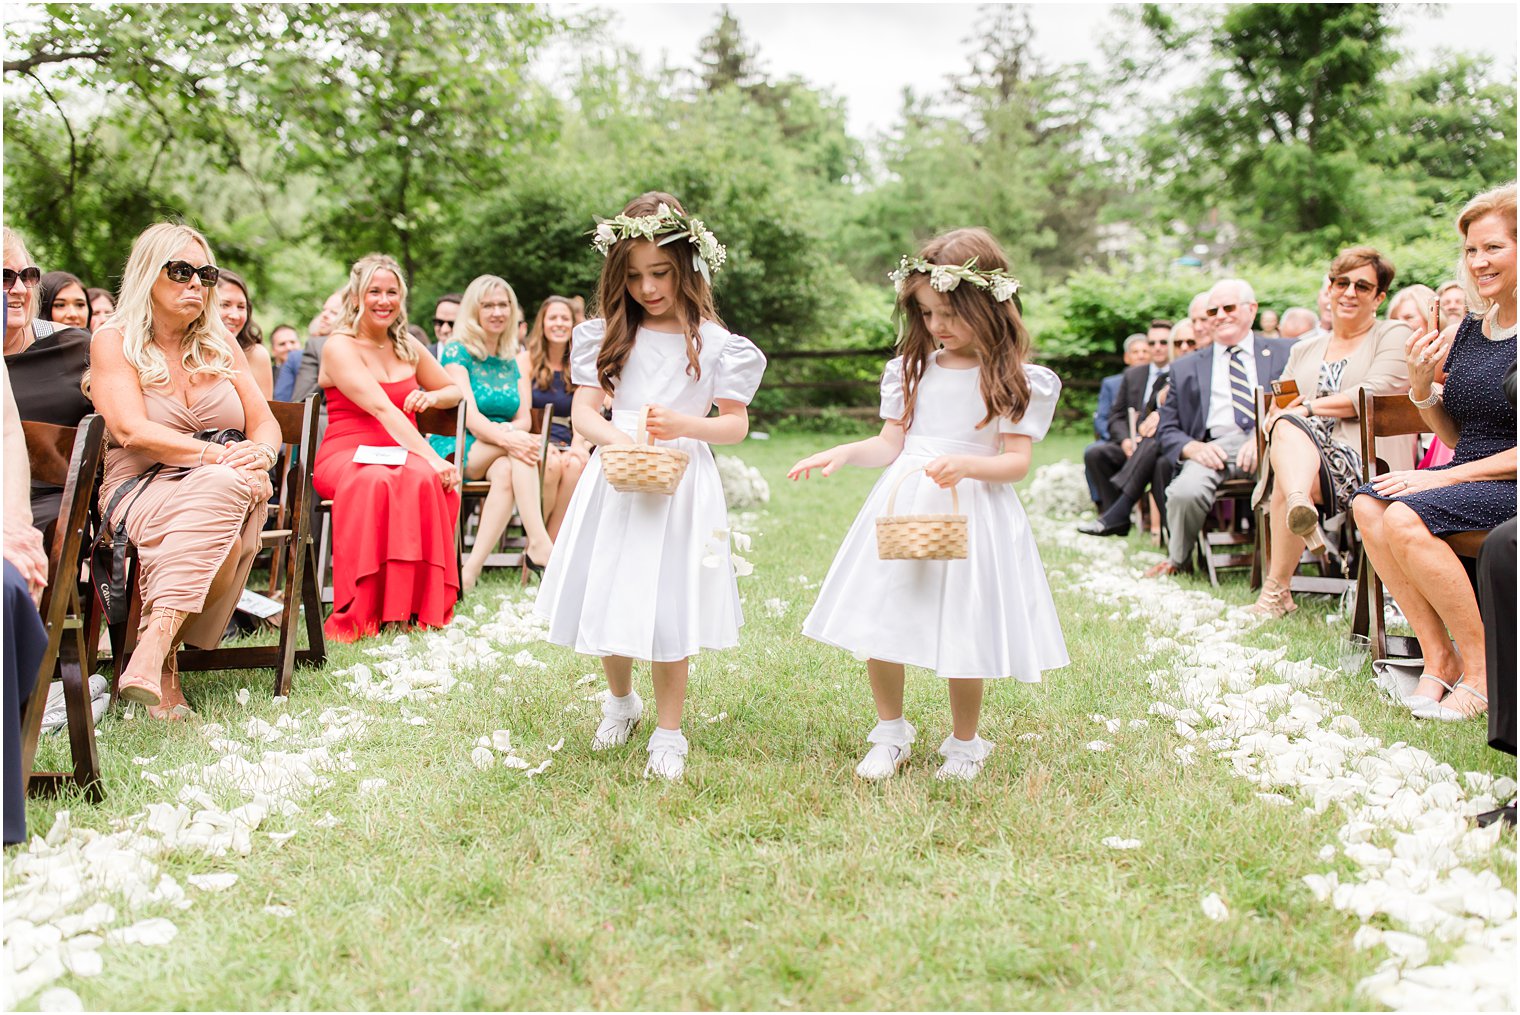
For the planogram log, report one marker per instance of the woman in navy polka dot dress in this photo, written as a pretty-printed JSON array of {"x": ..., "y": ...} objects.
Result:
[{"x": 1403, "y": 515}]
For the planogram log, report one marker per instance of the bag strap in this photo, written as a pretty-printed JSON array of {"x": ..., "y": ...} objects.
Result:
[{"x": 140, "y": 483}]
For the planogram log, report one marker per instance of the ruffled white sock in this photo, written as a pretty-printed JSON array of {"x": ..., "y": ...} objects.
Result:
[
  {"x": 663, "y": 739},
  {"x": 896, "y": 732},
  {"x": 629, "y": 706}
]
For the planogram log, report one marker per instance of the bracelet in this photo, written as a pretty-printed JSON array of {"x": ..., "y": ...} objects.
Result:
[
  {"x": 1430, "y": 400},
  {"x": 270, "y": 454},
  {"x": 201, "y": 459},
  {"x": 1309, "y": 408}
]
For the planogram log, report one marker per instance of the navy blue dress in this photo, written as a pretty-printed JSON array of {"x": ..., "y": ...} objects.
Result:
[
  {"x": 1474, "y": 399},
  {"x": 561, "y": 399}
]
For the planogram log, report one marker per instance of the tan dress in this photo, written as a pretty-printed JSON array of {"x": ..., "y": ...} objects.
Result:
[{"x": 194, "y": 530}]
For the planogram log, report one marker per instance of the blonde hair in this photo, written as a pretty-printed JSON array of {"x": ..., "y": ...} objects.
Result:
[
  {"x": 206, "y": 346},
  {"x": 468, "y": 330},
  {"x": 14, "y": 244},
  {"x": 1499, "y": 201},
  {"x": 359, "y": 278},
  {"x": 1420, "y": 294}
]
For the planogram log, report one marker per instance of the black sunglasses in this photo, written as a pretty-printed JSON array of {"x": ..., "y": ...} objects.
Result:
[
  {"x": 1228, "y": 308},
  {"x": 439, "y": 322},
  {"x": 180, "y": 271},
  {"x": 30, "y": 276},
  {"x": 1182, "y": 342}
]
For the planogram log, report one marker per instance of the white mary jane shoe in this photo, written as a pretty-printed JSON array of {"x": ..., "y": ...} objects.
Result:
[
  {"x": 963, "y": 758},
  {"x": 618, "y": 722},
  {"x": 667, "y": 755},
  {"x": 889, "y": 750}
]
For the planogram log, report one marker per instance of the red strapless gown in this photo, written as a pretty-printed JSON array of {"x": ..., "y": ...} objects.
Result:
[{"x": 393, "y": 527}]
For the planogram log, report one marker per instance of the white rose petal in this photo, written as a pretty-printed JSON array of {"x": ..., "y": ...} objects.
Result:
[
  {"x": 1214, "y": 907},
  {"x": 482, "y": 758},
  {"x": 1115, "y": 842},
  {"x": 1099, "y": 745},
  {"x": 283, "y": 912},
  {"x": 212, "y": 882},
  {"x": 242, "y": 696}
]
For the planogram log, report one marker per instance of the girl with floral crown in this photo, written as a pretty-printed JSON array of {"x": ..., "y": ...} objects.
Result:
[
  {"x": 648, "y": 575},
  {"x": 963, "y": 408}
]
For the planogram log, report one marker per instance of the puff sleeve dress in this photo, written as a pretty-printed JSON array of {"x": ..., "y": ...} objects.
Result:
[
  {"x": 990, "y": 615},
  {"x": 645, "y": 575}
]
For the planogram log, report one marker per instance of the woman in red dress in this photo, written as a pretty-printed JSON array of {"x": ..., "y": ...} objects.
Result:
[{"x": 393, "y": 525}]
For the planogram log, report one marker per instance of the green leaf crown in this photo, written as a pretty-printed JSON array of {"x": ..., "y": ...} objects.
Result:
[
  {"x": 944, "y": 278},
  {"x": 665, "y": 226}
]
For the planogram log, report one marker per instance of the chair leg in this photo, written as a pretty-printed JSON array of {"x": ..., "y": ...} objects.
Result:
[
  {"x": 81, "y": 719},
  {"x": 311, "y": 599}
]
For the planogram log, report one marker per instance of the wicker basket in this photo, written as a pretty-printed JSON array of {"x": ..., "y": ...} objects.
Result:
[
  {"x": 642, "y": 467},
  {"x": 921, "y": 537}
]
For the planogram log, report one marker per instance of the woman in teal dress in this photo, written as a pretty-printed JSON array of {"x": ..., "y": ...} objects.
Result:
[{"x": 484, "y": 359}]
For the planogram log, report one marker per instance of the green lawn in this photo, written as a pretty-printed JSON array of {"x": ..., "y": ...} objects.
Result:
[{"x": 771, "y": 878}]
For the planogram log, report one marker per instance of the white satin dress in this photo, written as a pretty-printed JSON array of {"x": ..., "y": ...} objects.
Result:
[
  {"x": 646, "y": 575},
  {"x": 990, "y": 615}
]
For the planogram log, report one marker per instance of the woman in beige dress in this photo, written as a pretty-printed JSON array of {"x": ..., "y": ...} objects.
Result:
[
  {"x": 164, "y": 369},
  {"x": 1313, "y": 462}
]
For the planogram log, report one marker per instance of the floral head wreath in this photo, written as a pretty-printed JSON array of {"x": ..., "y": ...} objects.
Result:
[
  {"x": 945, "y": 277},
  {"x": 665, "y": 226}
]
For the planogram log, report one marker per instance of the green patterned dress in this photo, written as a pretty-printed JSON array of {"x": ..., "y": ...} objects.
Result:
[{"x": 493, "y": 381}]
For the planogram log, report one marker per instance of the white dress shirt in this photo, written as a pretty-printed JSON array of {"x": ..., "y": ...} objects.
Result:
[
  {"x": 1221, "y": 403},
  {"x": 1150, "y": 383}
]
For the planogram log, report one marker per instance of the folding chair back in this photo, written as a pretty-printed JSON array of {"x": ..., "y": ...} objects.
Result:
[{"x": 67, "y": 457}]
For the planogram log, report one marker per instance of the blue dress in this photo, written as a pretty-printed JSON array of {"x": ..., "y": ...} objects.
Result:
[
  {"x": 1474, "y": 399},
  {"x": 560, "y": 398},
  {"x": 493, "y": 381}
]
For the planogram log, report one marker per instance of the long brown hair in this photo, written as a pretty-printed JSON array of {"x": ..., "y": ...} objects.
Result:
[
  {"x": 622, "y": 313},
  {"x": 538, "y": 342},
  {"x": 998, "y": 334}
]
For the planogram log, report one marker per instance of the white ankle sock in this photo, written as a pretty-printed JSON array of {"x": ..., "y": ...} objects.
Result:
[
  {"x": 897, "y": 732},
  {"x": 628, "y": 706},
  {"x": 663, "y": 739}
]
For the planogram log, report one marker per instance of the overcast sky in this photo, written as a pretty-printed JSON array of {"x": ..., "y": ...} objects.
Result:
[{"x": 868, "y": 52}]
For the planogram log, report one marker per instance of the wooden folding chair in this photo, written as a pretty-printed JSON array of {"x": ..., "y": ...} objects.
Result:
[
  {"x": 1389, "y": 416},
  {"x": 1230, "y": 537},
  {"x": 512, "y": 548},
  {"x": 1336, "y": 570},
  {"x": 294, "y": 559},
  {"x": 70, "y": 458},
  {"x": 443, "y": 422}
]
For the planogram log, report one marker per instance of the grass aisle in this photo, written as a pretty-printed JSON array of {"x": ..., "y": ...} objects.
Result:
[{"x": 771, "y": 878}]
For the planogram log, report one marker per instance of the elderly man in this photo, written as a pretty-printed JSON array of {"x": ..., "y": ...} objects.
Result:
[
  {"x": 1207, "y": 421},
  {"x": 1135, "y": 353},
  {"x": 1297, "y": 322},
  {"x": 1103, "y": 459},
  {"x": 1203, "y": 325}
]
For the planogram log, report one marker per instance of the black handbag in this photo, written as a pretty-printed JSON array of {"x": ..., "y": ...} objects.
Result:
[{"x": 108, "y": 555}]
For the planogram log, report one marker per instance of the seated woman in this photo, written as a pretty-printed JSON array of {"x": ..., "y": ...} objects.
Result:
[
  {"x": 102, "y": 305},
  {"x": 47, "y": 364},
  {"x": 483, "y": 359},
  {"x": 61, "y": 299},
  {"x": 166, "y": 375},
  {"x": 548, "y": 356},
  {"x": 393, "y": 525},
  {"x": 1410, "y": 517},
  {"x": 1313, "y": 459},
  {"x": 235, "y": 307},
  {"x": 1412, "y": 305}
]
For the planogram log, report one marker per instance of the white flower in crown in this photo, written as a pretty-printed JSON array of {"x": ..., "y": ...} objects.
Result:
[
  {"x": 604, "y": 238},
  {"x": 941, "y": 280},
  {"x": 665, "y": 226},
  {"x": 1004, "y": 288}
]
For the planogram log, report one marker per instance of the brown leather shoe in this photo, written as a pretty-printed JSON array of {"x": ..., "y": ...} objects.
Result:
[{"x": 1163, "y": 568}]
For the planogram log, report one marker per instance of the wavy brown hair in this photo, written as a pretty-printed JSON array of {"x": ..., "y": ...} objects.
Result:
[
  {"x": 623, "y": 314},
  {"x": 998, "y": 334},
  {"x": 538, "y": 342}
]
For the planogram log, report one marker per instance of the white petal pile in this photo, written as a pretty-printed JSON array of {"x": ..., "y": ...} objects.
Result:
[{"x": 1405, "y": 814}]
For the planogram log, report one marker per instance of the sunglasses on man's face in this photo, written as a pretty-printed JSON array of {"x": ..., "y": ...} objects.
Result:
[
  {"x": 1361, "y": 285},
  {"x": 1183, "y": 343},
  {"x": 1228, "y": 308},
  {"x": 29, "y": 276},
  {"x": 180, "y": 272},
  {"x": 439, "y": 322}
]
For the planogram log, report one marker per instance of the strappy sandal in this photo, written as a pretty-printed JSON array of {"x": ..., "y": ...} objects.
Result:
[
  {"x": 143, "y": 689},
  {"x": 1445, "y": 714},
  {"x": 1275, "y": 601},
  {"x": 1419, "y": 703}
]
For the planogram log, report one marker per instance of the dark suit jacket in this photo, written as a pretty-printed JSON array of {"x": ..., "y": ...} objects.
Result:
[
  {"x": 1185, "y": 415},
  {"x": 306, "y": 374},
  {"x": 1131, "y": 396}
]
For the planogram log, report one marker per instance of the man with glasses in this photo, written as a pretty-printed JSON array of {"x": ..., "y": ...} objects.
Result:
[
  {"x": 445, "y": 313},
  {"x": 1136, "y": 390},
  {"x": 1208, "y": 420}
]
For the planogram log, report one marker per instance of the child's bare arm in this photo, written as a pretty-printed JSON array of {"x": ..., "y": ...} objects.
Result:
[
  {"x": 871, "y": 453},
  {"x": 1010, "y": 466}
]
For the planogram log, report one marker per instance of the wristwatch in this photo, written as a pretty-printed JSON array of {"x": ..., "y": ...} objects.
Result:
[{"x": 1309, "y": 408}]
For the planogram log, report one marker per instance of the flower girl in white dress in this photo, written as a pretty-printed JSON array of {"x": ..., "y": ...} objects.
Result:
[
  {"x": 632, "y": 575},
  {"x": 962, "y": 409}
]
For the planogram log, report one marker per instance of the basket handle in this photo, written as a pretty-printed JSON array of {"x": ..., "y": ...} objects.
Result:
[
  {"x": 641, "y": 436},
  {"x": 955, "y": 498}
]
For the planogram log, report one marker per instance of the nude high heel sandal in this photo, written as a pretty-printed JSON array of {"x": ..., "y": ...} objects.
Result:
[{"x": 144, "y": 688}]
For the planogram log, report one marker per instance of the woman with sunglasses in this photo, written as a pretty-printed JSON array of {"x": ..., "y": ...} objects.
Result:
[
  {"x": 46, "y": 362},
  {"x": 190, "y": 442},
  {"x": 1313, "y": 464}
]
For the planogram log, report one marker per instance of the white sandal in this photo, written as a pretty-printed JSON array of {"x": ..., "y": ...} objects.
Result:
[
  {"x": 963, "y": 758},
  {"x": 667, "y": 755},
  {"x": 618, "y": 722},
  {"x": 889, "y": 750}
]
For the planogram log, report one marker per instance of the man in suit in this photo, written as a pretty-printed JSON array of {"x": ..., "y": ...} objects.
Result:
[
  {"x": 1145, "y": 469},
  {"x": 1208, "y": 420},
  {"x": 1099, "y": 454},
  {"x": 311, "y": 357},
  {"x": 1105, "y": 458}
]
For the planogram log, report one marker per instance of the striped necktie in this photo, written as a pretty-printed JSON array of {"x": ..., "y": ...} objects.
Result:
[{"x": 1241, "y": 398}]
